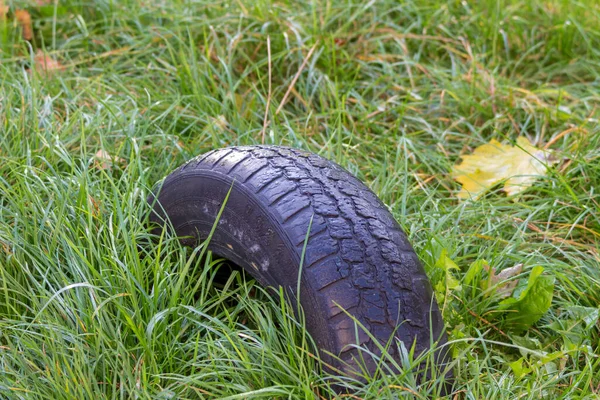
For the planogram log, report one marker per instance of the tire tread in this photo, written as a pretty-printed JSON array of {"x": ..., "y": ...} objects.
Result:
[{"x": 355, "y": 230}]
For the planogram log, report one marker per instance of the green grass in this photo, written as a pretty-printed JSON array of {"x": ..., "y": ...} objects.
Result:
[{"x": 394, "y": 91}]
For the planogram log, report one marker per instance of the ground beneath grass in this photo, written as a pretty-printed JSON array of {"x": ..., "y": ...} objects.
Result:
[{"x": 394, "y": 91}]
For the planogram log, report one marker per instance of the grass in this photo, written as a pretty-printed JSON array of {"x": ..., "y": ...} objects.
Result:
[{"x": 394, "y": 91}]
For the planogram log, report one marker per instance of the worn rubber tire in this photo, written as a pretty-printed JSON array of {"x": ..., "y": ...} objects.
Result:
[{"x": 357, "y": 257}]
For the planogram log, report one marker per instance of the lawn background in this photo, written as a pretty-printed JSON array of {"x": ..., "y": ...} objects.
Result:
[{"x": 395, "y": 91}]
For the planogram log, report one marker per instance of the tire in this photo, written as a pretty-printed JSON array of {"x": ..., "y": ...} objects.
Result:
[{"x": 357, "y": 259}]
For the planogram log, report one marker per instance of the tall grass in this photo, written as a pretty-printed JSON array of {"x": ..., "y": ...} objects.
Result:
[{"x": 92, "y": 307}]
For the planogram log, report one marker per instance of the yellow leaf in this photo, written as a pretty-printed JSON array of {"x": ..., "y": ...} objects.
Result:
[{"x": 519, "y": 166}]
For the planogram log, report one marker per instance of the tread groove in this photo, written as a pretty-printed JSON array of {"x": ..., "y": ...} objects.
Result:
[
  {"x": 292, "y": 215},
  {"x": 226, "y": 153},
  {"x": 312, "y": 236},
  {"x": 321, "y": 259},
  {"x": 203, "y": 157},
  {"x": 237, "y": 164},
  {"x": 281, "y": 197},
  {"x": 252, "y": 174},
  {"x": 264, "y": 186}
]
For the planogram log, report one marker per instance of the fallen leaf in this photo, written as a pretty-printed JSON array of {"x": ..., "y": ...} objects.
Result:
[
  {"x": 44, "y": 64},
  {"x": 502, "y": 282},
  {"x": 24, "y": 19},
  {"x": 519, "y": 166},
  {"x": 3, "y": 10},
  {"x": 105, "y": 161}
]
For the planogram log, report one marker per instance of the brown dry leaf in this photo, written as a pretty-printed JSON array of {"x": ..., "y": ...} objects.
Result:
[
  {"x": 44, "y": 64},
  {"x": 519, "y": 166},
  {"x": 24, "y": 19},
  {"x": 6, "y": 248},
  {"x": 3, "y": 10},
  {"x": 105, "y": 160},
  {"x": 94, "y": 205},
  {"x": 504, "y": 286}
]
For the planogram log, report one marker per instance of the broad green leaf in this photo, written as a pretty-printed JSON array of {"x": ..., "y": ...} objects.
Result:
[
  {"x": 518, "y": 166},
  {"x": 533, "y": 302},
  {"x": 49, "y": 10},
  {"x": 574, "y": 329},
  {"x": 588, "y": 315},
  {"x": 518, "y": 369},
  {"x": 446, "y": 264}
]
